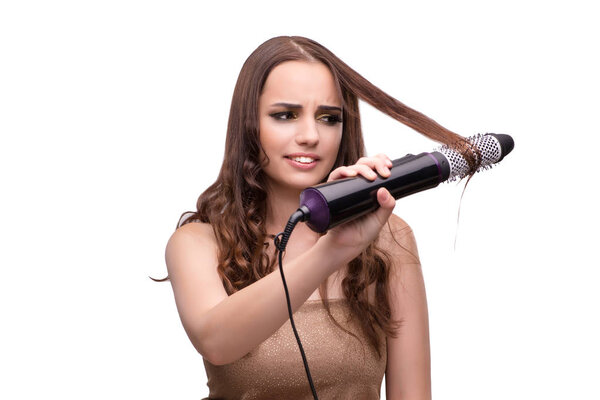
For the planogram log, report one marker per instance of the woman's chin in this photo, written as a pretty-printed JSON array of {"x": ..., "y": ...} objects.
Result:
[{"x": 296, "y": 185}]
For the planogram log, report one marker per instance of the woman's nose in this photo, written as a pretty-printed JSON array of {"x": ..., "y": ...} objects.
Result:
[{"x": 308, "y": 133}]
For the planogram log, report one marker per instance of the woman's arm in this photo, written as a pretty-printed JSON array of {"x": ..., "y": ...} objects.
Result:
[
  {"x": 225, "y": 328},
  {"x": 408, "y": 373}
]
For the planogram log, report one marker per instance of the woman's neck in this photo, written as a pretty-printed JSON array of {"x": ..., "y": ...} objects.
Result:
[{"x": 280, "y": 205}]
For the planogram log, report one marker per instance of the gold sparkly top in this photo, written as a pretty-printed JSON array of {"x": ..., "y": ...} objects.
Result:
[{"x": 340, "y": 366}]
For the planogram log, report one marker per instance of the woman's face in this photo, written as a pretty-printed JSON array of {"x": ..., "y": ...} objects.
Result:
[{"x": 300, "y": 122}]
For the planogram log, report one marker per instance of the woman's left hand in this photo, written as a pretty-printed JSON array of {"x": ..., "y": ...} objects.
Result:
[
  {"x": 365, "y": 166},
  {"x": 355, "y": 235}
]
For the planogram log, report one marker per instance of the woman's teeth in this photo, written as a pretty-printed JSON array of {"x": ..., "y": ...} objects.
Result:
[{"x": 303, "y": 160}]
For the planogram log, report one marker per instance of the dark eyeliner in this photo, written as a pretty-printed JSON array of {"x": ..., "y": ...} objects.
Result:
[
  {"x": 332, "y": 119},
  {"x": 277, "y": 115}
]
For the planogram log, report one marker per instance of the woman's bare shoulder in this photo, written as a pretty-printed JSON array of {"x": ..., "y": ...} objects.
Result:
[
  {"x": 191, "y": 239},
  {"x": 195, "y": 231},
  {"x": 201, "y": 230}
]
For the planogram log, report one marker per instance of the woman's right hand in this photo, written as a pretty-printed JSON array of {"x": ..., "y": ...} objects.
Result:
[{"x": 354, "y": 236}]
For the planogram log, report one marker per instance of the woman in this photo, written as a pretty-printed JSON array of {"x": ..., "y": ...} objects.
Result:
[{"x": 357, "y": 292}]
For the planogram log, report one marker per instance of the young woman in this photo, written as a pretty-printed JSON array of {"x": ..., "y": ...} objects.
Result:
[{"x": 357, "y": 291}]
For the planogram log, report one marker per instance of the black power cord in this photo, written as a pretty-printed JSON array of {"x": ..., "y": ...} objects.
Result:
[{"x": 281, "y": 240}]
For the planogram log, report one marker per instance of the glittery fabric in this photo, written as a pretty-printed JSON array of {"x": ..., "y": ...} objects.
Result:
[{"x": 341, "y": 367}]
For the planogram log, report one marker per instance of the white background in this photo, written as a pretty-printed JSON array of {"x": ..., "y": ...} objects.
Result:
[{"x": 112, "y": 122}]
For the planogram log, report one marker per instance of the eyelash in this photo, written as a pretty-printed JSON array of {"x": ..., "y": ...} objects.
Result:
[
  {"x": 332, "y": 119},
  {"x": 288, "y": 114}
]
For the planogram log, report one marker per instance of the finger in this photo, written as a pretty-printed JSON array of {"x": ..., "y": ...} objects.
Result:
[
  {"x": 380, "y": 163},
  {"x": 382, "y": 167},
  {"x": 385, "y": 199},
  {"x": 386, "y": 160},
  {"x": 369, "y": 160},
  {"x": 386, "y": 205},
  {"x": 366, "y": 161},
  {"x": 341, "y": 172},
  {"x": 365, "y": 171}
]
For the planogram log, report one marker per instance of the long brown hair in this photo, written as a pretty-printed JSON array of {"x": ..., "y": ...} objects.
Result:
[{"x": 235, "y": 205}]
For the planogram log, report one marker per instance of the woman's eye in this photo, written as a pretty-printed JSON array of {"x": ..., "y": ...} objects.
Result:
[
  {"x": 330, "y": 119},
  {"x": 284, "y": 115}
]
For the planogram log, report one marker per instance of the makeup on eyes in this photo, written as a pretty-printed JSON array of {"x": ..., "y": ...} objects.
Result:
[
  {"x": 291, "y": 112},
  {"x": 331, "y": 119}
]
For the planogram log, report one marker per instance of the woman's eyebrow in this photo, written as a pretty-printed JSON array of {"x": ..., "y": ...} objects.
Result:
[
  {"x": 297, "y": 106},
  {"x": 330, "y": 108}
]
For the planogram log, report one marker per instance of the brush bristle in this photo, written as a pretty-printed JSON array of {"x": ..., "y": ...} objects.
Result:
[{"x": 490, "y": 153}]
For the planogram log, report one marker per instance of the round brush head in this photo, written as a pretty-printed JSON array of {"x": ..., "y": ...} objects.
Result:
[{"x": 492, "y": 148}]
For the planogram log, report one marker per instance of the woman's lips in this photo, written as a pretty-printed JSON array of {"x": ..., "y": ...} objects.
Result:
[{"x": 302, "y": 161}]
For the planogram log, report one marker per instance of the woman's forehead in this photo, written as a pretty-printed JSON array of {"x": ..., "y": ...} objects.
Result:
[{"x": 301, "y": 82}]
